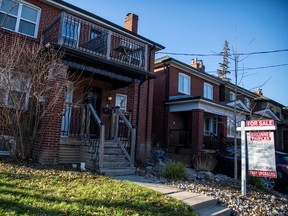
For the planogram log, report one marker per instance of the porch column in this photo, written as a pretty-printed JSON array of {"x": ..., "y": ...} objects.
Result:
[
  {"x": 197, "y": 130},
  {"x": 48, "y": 151}
]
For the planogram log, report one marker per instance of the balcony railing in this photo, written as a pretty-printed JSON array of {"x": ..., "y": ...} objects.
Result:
[{"x": 72, "y": 32}]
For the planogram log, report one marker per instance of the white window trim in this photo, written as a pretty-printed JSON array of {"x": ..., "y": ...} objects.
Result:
[
  {"x": 8, "y": 153},
  {"x": 205, "y": 93},
  {"x": 18, "y": 18},
  {"x": 247, "y": 103},
  {"x": 232, "y": 96},
  {"x": 211, "y": 126},
  {"x": 231, "y": 135},
  {"x": 6, "y": 92},
  {"x": 189, "y": 84},
  {"x": 125, "y": 102}
]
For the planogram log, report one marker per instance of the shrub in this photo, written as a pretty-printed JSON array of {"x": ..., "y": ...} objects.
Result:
[
  {"x": 174, "y": 170},
  {"x": 204, "y": 162}
]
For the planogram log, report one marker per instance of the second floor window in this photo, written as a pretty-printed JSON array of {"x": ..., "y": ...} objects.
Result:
[
  {"x": 19, "y": 17},
  {"x": 208, "y": 91},
  {"x": 247, "y": 103},
  {"x": 232, "y": 96},
  {"x": 184, "y": 83}
]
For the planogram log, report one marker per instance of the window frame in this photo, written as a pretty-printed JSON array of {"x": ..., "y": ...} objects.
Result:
[
  {"x": 206, "y": 93},
  {"x": 181, "y": 87},
  {"x": 124, "y": 107},
  {"x": 19, "y": 17},
  {"x": 247, "y": 103},
  {"x": 7, "y": 91},
  {"x": 209, "y": 125},
  {"x": 232, "y": 96},
  {"x": 230, "y": 128}
]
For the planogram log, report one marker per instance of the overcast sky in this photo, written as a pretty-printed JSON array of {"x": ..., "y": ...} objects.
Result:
[{"x": 189, "y": 27}]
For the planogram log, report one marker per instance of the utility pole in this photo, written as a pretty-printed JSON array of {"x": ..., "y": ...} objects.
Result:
[{"x": 236, "y": 58}]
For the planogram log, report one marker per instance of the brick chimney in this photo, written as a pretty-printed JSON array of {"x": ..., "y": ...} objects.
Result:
[
  {"x": 258, "y": 91},
  {"x": 131, "y": 22},
  {"x": 198, "y": 64}
]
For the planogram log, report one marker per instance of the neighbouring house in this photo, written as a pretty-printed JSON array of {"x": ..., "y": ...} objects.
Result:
[
  {"x": 107, "y": 109},
  {"x": 194, "y": 111}
]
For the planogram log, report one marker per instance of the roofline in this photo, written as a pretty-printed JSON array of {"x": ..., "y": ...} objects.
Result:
[
  {"x": 88, "y": 15},
  {"x": 162, "y": 60}
]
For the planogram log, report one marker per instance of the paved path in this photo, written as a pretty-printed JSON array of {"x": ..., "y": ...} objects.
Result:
[{"x": 201, "y": 204}]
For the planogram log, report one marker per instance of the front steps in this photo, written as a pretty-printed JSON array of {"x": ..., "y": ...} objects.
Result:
[{"x": 115, "y": 162}]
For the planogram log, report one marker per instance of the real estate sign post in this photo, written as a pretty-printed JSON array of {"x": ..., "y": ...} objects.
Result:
[{"x": 261, "y": 152}]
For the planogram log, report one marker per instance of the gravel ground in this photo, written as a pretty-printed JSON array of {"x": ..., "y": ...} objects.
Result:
[{"x": 227, "y": 191}]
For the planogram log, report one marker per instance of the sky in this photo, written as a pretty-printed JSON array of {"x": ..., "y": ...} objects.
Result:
[{"x": 190, "y": 29}]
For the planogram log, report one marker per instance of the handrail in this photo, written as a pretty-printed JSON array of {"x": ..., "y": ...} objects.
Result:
[
  {"x": 130, "y": 139},
  {"x": 96, "y": 117}
]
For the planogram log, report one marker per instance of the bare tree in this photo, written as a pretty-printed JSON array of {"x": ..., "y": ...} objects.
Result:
[{"x": 25, "y": 84}]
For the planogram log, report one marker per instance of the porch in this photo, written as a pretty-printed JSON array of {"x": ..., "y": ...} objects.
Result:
[{"x": 108, "y": 149}]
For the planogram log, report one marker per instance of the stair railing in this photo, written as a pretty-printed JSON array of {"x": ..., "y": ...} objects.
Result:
[
  {"x": 124, "y": 133},
  {"x": 101, "y": 127}
]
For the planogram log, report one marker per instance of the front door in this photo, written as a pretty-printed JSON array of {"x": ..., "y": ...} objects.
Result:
[{"x": 93, "y": 96}]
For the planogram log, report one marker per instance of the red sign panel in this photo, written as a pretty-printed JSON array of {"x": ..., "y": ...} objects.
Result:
[
  {"x": 259, "y": 123},
  {"x": 259, "y": 173}
]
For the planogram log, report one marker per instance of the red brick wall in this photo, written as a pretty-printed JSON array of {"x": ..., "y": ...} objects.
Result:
[
  {"x": 51, "y": 124},
  {"x": 197, "y": 130}
]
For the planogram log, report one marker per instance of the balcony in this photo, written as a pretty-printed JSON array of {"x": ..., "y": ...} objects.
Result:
[{"x": 74, "y": 33}]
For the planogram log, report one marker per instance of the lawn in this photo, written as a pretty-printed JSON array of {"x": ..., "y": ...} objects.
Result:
[{"x": 34, "y": 190}]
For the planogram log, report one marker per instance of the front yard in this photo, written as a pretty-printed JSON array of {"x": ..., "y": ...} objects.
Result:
[{"x": 34, "y": 190}]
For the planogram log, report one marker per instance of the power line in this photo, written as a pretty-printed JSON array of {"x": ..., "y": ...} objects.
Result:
[
  {"x": 256, "y": 68},
  {"x": 218, "y": 54}
]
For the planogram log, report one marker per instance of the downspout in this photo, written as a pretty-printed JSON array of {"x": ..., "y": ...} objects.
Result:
[
  {"x": 165, "y": 119},
  {"x": 148, "y": 97},
  {"x": 138, "y": 116}
]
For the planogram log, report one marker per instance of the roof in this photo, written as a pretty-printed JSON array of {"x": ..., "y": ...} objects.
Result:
[{"x": 88, "y": 15}]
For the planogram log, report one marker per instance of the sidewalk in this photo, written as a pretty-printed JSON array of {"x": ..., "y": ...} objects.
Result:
[{"x": 201, "y": 204}]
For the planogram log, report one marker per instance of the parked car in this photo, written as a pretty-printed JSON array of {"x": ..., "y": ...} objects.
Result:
[{"x": 225, "y": 166}]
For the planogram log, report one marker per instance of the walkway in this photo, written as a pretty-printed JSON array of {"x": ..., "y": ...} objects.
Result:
[{"x": 201, "y": 204}]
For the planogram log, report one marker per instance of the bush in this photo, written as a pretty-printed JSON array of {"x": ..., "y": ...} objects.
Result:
[
  {"x": 204, "y": 162},
  {"x": 174, "y": 170}
]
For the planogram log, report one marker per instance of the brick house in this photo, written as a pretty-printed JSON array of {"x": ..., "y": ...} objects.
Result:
[
  {"x": 114, "y": 65},
  {"x": 194, "y": 111}
]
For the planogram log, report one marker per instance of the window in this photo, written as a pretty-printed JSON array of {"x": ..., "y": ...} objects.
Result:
[
  {"x": 7, "y": 141},
  {"x": 208, "y": 91},
  {"x": 14, "y": 90},
  {"x": 121, "y": 101},
  {"x": 232, "y": 96},
  {"x": 70, "y": 32},
  {"x": 210, "y": 126},
  {"x": 247, "y": 103},
  {"x": 231, "y": 129},
  {"x": 19, "y": 17},
  {"x": 184, "y": 84}
]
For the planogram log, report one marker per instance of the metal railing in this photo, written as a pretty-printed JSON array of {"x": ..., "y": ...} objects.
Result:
[
  {"x": 75, "y": 33},
  {"x": 82, "y": 121},
  {"x": 124, "y": 133}
]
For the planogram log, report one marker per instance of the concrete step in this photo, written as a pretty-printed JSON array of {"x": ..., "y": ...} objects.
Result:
[
  {"x": 113, "y": 151},
  {"x": 118, "y": 171},
  {"x": 116, "y": 165},
  {"x": 111, "y": 144},
  {"x": 115, "y": 158},
  {"x": 214, "y": 211}
]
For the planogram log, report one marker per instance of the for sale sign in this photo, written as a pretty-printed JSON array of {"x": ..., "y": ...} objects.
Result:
[{"x": 261, "y": 154}]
